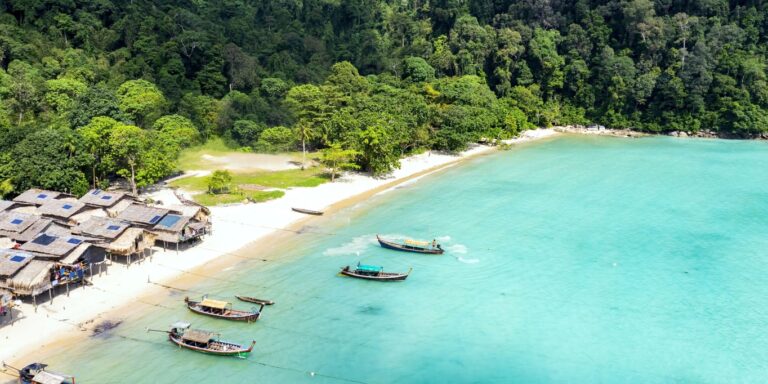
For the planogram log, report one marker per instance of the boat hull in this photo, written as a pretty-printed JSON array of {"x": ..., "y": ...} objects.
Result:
[
  {"x": 407, "y": 248},
  {"x": 383, "y": 276},
  {"x": 233, "y": 315},
  {"x": 254, "y": 300},
  {"x": 307, "y": 211},
  {"x": 219, "y": 348}
]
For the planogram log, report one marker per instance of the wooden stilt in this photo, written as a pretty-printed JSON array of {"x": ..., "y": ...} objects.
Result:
[
  {"x": 50, "y": 296},
  {"x": 67, "y": 288}
]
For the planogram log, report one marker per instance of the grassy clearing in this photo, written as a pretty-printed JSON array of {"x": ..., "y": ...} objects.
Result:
[
  {"x": 253, "y": 196},
  {"x": 192, "y": 158}
]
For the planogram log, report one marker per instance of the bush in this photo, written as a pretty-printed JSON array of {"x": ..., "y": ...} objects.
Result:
[
  {"x": 220, "y": 182},
  {"x": 276, "y": 139}
]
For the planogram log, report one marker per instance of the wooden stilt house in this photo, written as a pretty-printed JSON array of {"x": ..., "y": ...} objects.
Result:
[
  {"x": 22, "y": 227},
  {"x": 38, "y": 197},
  {"x": 117, "y": 237},
  {"x": 62, "y": 211},
  {"x": 67, "y": 250},
  {"x": 113, "y": 202}
]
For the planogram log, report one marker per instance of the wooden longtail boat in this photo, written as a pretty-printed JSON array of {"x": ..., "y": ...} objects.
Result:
[
  {"x": 307, "y": 211},
  {"x": 222, "y": 310},
  {"x": 371, "y": 272},
  {"x": 36, "y": 373},
  {"x": 204, "y": 341},
  {"x": 254, "y": 300},
  {"x": 412, "y": 246}
]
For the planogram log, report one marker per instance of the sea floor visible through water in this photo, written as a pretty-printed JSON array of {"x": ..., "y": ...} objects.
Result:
[{"x": 576, "y": 259}]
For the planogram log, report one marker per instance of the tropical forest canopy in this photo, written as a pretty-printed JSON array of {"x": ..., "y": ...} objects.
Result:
[{"x": 93, "y": 90}]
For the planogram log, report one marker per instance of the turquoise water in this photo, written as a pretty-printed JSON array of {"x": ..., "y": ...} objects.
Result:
[{"x": 571, "y": 260}]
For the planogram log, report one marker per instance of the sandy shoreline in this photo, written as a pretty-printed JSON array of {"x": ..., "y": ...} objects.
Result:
[{"x": 237, "y": 230}]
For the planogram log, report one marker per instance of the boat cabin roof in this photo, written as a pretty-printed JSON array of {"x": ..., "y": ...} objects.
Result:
[
  {"x": 217, "y": 304},
  {"x": 369, "y": 268},
  {"x": 416, "y": 242},
  {"x": 198, "y": 336}
]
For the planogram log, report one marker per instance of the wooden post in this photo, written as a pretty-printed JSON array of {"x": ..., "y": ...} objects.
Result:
[
  {"x": 67, "y": 288},
  {"x": 177, "y": 247},
  {"x": 34, "y": 301},
  {"x": 50, "y": 296}
]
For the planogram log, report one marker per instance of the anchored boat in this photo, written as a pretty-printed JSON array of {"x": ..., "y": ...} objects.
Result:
[
  {"x": 36, "y": 373},
  {"x": 412, "y": 246},
  {"x": 254, "y": 300},
  {"x": 204, "y": 341},
  {"x": 372, "y": 272},
  {"x": 222, "y": 310}
]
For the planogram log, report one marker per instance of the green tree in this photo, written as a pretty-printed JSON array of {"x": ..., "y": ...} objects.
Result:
[
  {"x": 220, "y": 182},
  {"x": 141, "y": 100},
  {"x": 127, "y": 146},
  {"x": 335, "y": 158}
]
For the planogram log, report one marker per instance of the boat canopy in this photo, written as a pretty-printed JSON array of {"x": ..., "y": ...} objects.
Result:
[
  {"x": 369, "y": 268},
  {"x": 216, "y": 304},
  {"x": 45, "y": 377},
  {"x": 417, "y": 243},
  {"x": 198, "y": 336}
]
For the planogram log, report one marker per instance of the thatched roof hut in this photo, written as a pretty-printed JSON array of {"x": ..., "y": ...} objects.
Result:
[
  {"x": 132, "y": 241},
  {"x": 22, "y": 227},
  {"x": 61, "y": 209},
  {"x": 196, "y": 212},
  {"x": 39, "y": 196},
  {"x": 53, "y": 246},
  {"x": 101, "y": 227},
  {"x": 12, "y": 261},
  {"x": 6, "y": 205},
  {"x": 103, "y": 199},
  {"x": 175, "y": 228},
  {"x": 143, "y": 215},
  {"x": 32, "y": 280}
]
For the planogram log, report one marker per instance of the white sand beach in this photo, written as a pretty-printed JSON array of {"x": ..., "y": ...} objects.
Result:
[{"x": 234, "y": 227}]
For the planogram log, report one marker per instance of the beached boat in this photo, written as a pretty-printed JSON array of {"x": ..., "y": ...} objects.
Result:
[
  {"x": 254, "y": 300},
  {"x": 36, "y": 373},
  {"x": 307, "y": 211},
  {"x": 412, "y": 246},
  {"x": 372, "y": 272},
  {"x": 222, "y": 310},
  {"x": 204, "y": 341}
]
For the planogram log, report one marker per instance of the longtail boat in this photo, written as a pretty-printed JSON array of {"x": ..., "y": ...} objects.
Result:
[
  {"x": 307, "y": 211},
  {"x": 412, "y": 246},
  {"x": 222, "y": 310},
  {"x": 36, "y": 373},
  {"x": 204, "y": 341},
  {"x": 249, "y": 299},
  {"x": 372, "y": 272}
]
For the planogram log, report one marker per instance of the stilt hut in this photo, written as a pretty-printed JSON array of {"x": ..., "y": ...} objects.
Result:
[
  {"x": 32, "y": 280},
  {"x": 198, "y": 214},
  {"x": 11, "y": 262},
  {"x": 68, "y": 250},
  {"x": 113, "y": 202},
  {"x": 117, "y": 237},
  {"x": 39, "y": 197},
  {"x": 6, "y": 205},
  {"x": 177, "y": 229}
]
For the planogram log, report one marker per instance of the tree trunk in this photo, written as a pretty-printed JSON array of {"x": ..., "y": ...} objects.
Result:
[
  {"x": 133, "y": 179},
  {"x": 303, "y": 153}
]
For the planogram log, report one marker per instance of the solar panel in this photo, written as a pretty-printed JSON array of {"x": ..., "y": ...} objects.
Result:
[
  {"x": 18, "y": 258},
  {"x": 44, "y": 239},
  {"x": 169, "y": 221},
  {"x": 96, "y": 192},
  {"x": 66, "y": 206},
  {"x": 74, "y": 241},
  {"x": 42, "y": 196},
  {"x": 113, "y": 227},
  {"x": 155, "y": 219},
  {"x": 106, "y": 197},
  {"x": 17, "y": 221}
]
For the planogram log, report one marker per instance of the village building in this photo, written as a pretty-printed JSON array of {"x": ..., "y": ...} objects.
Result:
[
  {"x": 23, "y": 227},
  {"x": 142, "y": 215},
  {"x": 21, "y": 274},
  {"x": 117, "y": 237},
  {"x": 67, "y": 250},
  {"x": 6, "y": 205},
  {"x": 38, "y": 197},
  {"x": 112, "y": 202},
  {"x": 177, "y": 229},
  {"x": 62, "y": 211}
]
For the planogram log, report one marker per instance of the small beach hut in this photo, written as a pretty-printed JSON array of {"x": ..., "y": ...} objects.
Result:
[
  {"x": 177, "y": 229},
  {"x": 32, "y": 280},
  {"x": 6, "y": 205},
  {"x": 39, "y": 197},
  {"x": 11, "y": 262},
  {"x": 68, "y": 249},
  {"x": 143, "y": 216},
  {"x": 113, "y": 202},
  {"x": 61, "y": 210},
  {"x": 117, "y": 237}
]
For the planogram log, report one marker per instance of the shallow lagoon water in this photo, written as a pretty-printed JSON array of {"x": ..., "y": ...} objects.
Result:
[{"x": 577, "y": 259}]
